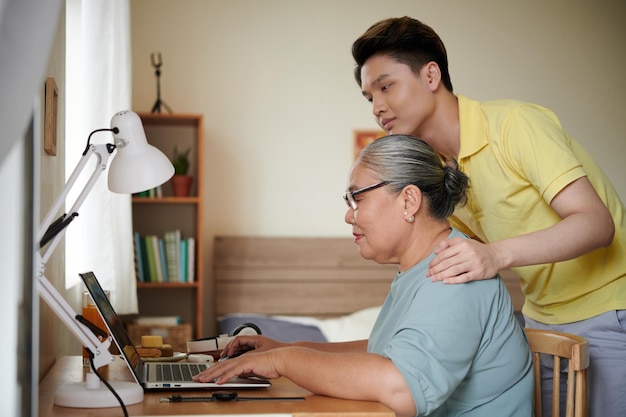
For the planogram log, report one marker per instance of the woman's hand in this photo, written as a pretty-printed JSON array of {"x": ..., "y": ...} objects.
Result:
[
  {"x": 241, "y": 344},
  {"x": 251, "y": 364}
]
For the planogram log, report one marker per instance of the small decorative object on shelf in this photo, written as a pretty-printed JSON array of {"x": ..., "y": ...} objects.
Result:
[
  {"x": 155, "y": 58},
  {"x": 181, "y": 181}
]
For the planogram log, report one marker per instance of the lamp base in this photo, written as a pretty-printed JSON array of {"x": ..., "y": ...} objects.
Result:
[{"x": 77, "y": 395}]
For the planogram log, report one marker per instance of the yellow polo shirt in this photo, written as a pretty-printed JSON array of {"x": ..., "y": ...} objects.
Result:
[{"x": 518, "y": 157}]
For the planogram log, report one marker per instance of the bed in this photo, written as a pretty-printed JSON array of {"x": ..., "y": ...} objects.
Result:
[{"x": 303, "y": 288}]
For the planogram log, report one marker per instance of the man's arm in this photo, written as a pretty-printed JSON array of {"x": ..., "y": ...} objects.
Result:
[{"x": 586, "y": 224}]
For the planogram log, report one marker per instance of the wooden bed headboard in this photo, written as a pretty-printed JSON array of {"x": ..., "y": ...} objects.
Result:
[{"x": 319, "y": 277}]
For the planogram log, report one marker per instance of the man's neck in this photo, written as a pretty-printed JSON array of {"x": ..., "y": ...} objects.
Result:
[{"x": 443, "y": 130}]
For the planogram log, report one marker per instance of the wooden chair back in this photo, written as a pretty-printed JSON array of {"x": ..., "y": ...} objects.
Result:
[{"x": 576, "y": 350}]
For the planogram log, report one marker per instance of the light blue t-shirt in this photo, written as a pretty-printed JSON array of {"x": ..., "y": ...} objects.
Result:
[{"x": 459, "y": 347}]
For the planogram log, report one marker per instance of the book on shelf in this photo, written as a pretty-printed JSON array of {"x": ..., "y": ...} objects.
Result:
[
  {"x": 151, "y": 259},
  {"x": 167, "y": 258},
  {"x": 163, "y": 277},
  {"x": 151, "y": 193},
  {"x": 155, "y": 263},
  {"x": 144, "y": 259},
  {"x": 191, "y": 259},
  {"x": 183, "y": 264},
  {"x": 137, "y": 244},
  {"x": 172, "y": 244}
]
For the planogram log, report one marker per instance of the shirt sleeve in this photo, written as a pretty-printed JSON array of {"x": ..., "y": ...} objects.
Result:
[
  {"x": 434, "y": 347},
  {"x": 537, "y": 147}
]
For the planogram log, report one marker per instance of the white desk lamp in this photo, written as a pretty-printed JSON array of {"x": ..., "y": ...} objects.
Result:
[{"x": 137, "y": 166}]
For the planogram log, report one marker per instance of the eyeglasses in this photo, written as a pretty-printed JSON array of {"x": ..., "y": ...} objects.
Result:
[{"x": 349, "y": 196}]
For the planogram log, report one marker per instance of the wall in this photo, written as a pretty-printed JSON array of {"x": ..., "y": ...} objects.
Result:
[
  {"x": 27, "y": 29},
  {"x": 51, "y": 181},
  {"x": 274, "y": 81},
  {"x": 15, "y": 222}
]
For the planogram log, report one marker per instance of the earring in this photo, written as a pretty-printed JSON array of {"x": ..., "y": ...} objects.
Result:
[{"x": 411, "y": 219}]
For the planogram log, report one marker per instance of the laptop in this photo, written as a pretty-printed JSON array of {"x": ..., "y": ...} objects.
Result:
[{"x": 155, "y": 375}]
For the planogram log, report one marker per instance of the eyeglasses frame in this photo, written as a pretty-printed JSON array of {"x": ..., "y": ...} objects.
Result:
[{"x": 348, "y": 197}]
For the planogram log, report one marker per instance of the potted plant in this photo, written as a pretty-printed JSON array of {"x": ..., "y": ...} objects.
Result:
[{"x": 181, "y": 181}]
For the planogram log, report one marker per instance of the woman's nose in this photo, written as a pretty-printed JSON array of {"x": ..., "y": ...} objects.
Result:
[{"x": 350, "y": 217}]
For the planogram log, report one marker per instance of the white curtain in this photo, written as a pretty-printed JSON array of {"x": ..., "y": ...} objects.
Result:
[{"x": 98, "y": 81}]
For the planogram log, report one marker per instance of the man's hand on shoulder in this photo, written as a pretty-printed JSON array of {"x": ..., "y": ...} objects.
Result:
[{"x": 461, "y": 260}]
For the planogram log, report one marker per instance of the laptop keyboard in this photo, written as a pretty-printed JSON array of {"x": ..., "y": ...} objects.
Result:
[{"x": 179, "y": 372}]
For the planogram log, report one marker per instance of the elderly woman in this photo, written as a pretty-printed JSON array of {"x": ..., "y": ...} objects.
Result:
[{"x": 435, "y": 349}]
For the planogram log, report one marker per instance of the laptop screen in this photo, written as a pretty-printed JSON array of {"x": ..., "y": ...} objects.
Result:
[{"x": 114, "y": 324}]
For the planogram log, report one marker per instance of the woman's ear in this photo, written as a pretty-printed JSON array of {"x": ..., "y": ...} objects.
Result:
[{"x": 412, "y": 196}]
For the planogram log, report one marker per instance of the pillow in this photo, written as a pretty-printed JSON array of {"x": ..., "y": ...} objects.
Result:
[{"x": 355, "y": 326}]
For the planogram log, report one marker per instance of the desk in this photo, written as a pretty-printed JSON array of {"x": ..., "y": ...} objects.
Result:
[{"x": 70, "y": 369}]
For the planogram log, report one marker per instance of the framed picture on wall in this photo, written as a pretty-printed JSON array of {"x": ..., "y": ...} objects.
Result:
[
  {"x": 362, "y": 138},
  {"x": 51, "y": 94}
]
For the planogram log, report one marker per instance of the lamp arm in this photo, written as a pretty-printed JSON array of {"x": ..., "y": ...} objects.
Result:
[
  {"x": 52, "y": 232},
  {"x": 65, "y": 312}
]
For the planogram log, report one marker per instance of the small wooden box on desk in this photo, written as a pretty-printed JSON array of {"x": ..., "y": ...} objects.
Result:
[{"x": 176, "y": 335}]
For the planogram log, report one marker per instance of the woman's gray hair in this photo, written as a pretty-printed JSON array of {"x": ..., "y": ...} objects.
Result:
[{"x": 404, "y": 160}]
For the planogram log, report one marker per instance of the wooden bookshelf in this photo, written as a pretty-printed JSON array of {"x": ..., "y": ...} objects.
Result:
[{"x": 158, "y": 215}]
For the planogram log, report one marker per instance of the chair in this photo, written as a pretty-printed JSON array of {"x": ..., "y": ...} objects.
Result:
[{"x": 576, "y": 350}]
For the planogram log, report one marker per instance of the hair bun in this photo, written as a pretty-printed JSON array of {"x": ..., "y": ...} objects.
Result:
[{"x": 455, "y": 182}]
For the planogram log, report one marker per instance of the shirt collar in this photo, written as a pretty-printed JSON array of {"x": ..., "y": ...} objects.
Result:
[{"x": 473, "y": 130}]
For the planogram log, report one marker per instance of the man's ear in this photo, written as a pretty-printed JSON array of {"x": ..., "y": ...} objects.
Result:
[
  {"x": 412, "y": 196},
  {"x": 432, "y": 74}
]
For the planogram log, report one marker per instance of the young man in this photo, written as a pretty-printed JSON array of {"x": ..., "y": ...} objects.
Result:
[{"x": 537, "y": 202}]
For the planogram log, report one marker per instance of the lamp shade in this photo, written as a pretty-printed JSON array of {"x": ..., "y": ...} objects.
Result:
[{"x": 137, "y": 165}]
